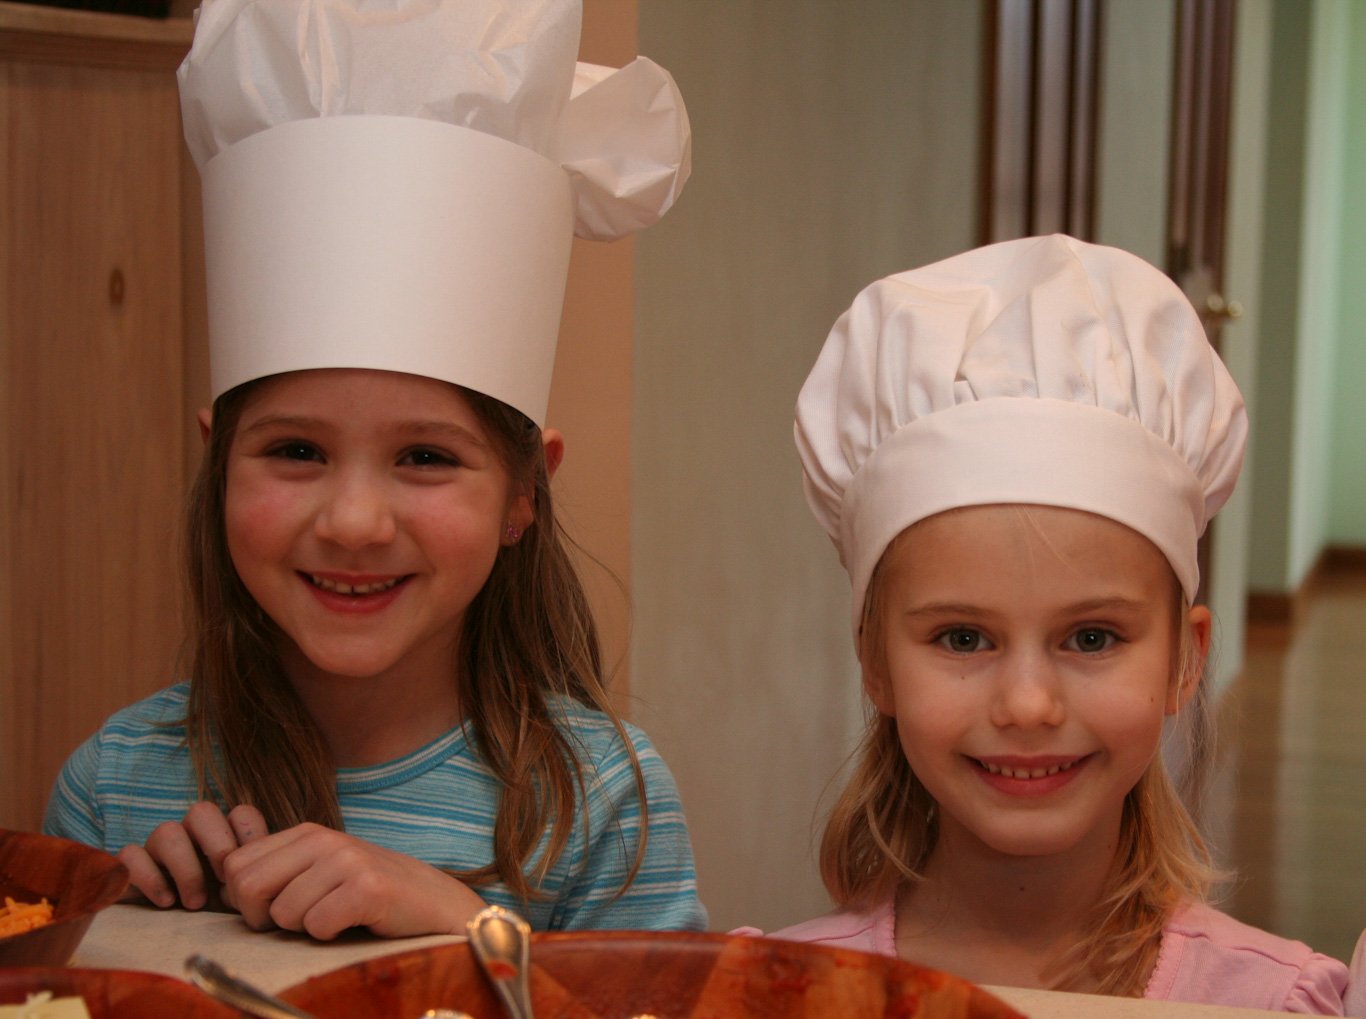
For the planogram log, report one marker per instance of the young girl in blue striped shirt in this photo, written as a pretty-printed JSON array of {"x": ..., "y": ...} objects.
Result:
[{"x": 396, "y": 710}]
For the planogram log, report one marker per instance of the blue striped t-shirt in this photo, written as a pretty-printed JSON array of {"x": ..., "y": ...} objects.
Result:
[{"x": 436, "y": 804}]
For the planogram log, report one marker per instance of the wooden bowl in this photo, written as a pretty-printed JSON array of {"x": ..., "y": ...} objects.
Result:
[
  {"x": 78, "y": 880},
  {"x": 615, "y": 975},
  {"x": 114, "y": 994}
]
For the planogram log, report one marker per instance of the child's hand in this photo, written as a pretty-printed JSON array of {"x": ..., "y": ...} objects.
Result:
[
  {"x": 191, "y": 853},
  {"x": 314, "y": 879}
]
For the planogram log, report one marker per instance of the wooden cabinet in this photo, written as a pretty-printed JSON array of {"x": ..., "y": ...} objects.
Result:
[{"x": 93, "y": 379}]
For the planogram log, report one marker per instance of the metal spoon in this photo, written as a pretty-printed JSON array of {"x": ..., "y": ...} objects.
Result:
[
  {"x": 221, "y": 985},
  {"x": 501, "y": 941}
]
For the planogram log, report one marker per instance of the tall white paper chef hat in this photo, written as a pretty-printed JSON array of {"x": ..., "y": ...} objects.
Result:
[
  {"x": 1042, "y": 371},
  {"x": 395, "y": 185}
]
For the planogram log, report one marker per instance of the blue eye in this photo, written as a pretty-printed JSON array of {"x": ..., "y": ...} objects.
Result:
[
  {"x": 964, "y": 641},
  {"x": 1091, "y": 639}
]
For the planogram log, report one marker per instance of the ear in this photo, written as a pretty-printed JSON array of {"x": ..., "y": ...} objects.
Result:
[
  {"x": 522, "y": 515},
  {"x": 1183, "y": 687},
  {"x": 879, "y": 690},
  {"x": 554, "y": 450},
  {"x": 205, "y": 424}
]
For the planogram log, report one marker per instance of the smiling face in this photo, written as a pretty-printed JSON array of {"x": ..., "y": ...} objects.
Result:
[
  {"x": 364, "y": 511},
  {"x": 1029, "y": 664}
]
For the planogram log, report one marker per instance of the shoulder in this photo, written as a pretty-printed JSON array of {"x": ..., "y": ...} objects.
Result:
[
  {"x": 155, "y": 721},
  {"x": 601, "y": 857},
  {"x": 1207, "y": 956},
  {"x": 161, "y": 713},
  {"x": 606, "y": 756},
  {"x": 153, "y": 727},
  {"x": 595, "y": 732},
  {"x": 868, "y": 931},
  {"x": 136, "y": 764}
]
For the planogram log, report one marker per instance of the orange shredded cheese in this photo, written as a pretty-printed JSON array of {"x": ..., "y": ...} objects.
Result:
[{"x": 17, "y": 917}]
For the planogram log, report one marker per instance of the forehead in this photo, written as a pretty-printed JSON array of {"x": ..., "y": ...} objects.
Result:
[
  {"x": 984, "y": 549},
  {"x": 358, "y": 394}
]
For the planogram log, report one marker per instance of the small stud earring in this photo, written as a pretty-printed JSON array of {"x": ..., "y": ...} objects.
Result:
[{"x": 512, "y": 533}]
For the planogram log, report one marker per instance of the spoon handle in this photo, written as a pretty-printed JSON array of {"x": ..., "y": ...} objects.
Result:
[
  {"x": 501, "y": 941},
  {"x": 221, "y": 985}
]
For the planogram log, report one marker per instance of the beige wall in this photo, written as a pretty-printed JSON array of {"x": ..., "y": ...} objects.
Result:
[
  {"x": 832, "y": 145},
  {"x": 590, "y": 398},
  {"x": 1132, "y": 161}
]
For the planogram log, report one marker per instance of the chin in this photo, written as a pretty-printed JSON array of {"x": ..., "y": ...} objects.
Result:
[
  {"x": 1033, "y": 843},
  {"x": 353, "y": 666}
]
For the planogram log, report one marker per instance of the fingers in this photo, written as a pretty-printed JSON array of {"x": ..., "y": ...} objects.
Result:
[
  {"x": 310, "y": 878},
  {"x": 185, "y": 859},
  {"x": 211, "y": 833},
  {"x": 145, "y": 877},
  {"x": 255, "y": 873},
  {"x": 248, "y": 823},
  {"x": 320, "y": 900}
]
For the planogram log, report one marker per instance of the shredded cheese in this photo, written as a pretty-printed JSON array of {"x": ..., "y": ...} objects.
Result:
[{"x": 17, "y": 917}]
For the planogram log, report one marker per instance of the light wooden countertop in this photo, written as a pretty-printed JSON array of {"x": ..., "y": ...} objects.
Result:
[{"x": 145, "y": 938}]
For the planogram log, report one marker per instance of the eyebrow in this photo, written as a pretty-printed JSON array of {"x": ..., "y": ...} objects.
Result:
[
  {"x": 283, "y": 421},
  {"x": 1116, "y": 603},
  {"x": 420, "y": 428},
  {"x": 946, "y": 609}
]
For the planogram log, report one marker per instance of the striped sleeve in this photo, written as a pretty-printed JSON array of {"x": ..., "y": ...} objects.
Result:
[
  {"x": 131, "y": 776},
  {"x": 663, "y": 894},
  {"x": 72, "y": 811}
]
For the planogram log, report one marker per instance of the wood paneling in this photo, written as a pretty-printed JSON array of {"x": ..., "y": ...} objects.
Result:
[{"x": 92, "y": 417}]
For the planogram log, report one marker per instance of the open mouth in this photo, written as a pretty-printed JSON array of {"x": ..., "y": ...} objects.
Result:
[
  {"x": 1008, "y": 772},
  {"x": 354, "y": 590}
]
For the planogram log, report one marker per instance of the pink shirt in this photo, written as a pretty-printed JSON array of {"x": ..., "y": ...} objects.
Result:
[{"x": 1206, "y": 957}]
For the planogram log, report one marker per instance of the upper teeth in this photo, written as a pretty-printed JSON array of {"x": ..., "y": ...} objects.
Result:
[
  {"x": 357, "y": 589},
  {"x": 999, "y": 769}
]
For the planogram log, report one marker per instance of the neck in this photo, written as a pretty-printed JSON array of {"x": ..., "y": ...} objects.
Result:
[
  {"x": 369, "y": 720},
  {"x": 1000, "y": 918}
]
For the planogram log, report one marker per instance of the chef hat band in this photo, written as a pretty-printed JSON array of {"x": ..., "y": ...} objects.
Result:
[
  {"x": 1043, "y": 371},
  {"x": 397, "y": 186},
  {"x": 1081, "y": 457}
]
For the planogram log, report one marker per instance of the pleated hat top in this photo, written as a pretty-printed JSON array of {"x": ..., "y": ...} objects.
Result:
[{"x": 1042, "y": 371}]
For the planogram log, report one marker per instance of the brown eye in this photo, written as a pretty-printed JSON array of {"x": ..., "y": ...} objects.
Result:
[
  {"x": 426, "y": 457},
  {"x": 296, "y": 450}
]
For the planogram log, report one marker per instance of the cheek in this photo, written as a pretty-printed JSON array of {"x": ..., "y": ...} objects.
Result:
[
  {"x": 445, "y": 523},
  {"x": 260, "y": 520},
  {"x": 932, "y": 712},
  {"x": 1128, "y": 718}
]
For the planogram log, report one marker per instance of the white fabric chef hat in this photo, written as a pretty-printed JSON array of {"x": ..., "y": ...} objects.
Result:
[
  {"x": 394, "y": 184},
  {"x": 1042, "y": 371}
]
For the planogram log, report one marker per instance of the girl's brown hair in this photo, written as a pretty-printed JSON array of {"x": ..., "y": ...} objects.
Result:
[
  {"x": 528, "y": 637},
  {"x": 884, "y": 826}
]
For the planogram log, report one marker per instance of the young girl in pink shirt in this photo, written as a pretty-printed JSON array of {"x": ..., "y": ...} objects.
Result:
[{"x": 1016, "y": 451}]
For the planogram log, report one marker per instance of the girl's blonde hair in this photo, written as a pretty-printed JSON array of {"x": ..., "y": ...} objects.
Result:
[
  {"x": 884, "y": 827},
  {"x": 528, "y": 637}
]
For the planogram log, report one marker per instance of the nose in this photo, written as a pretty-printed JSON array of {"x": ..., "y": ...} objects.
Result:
[
  {"x": 1028, "y": 693},
  {"x": 356, "y": 513}
]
